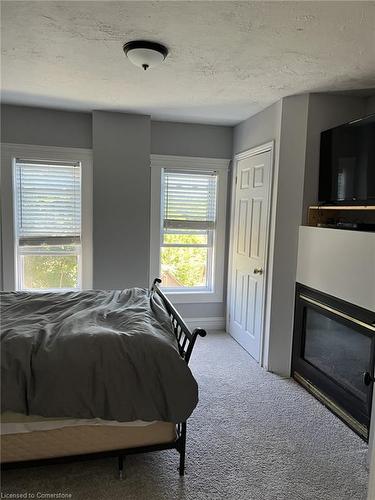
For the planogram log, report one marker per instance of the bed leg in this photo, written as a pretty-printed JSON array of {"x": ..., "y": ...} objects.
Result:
[
  {"x": 182, "y": 449},
  {"x": 120, "y": 467}
]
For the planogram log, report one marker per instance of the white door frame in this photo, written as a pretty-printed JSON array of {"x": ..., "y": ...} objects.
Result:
[{"x": 263, "y": 148}]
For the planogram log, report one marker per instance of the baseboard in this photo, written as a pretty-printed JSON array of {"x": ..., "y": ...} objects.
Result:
[{"x": 206, "y": 323}]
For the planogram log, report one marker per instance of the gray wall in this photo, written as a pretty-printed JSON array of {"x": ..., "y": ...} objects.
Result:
[
  {"x": 259, "y": 129},
  {"x": 325, "y": 111},
  {"x": 287, "y": 218},
  {"x": 121, "y": 146},
  {"x": 295, "y": 124},
  {"x": 255, "y": 131},
  {"x": 45, "y": 127},
  {"x": 121, "y": 224},
  {"x": 186, "y": 139},
  {"x": 285, "y": 123}
]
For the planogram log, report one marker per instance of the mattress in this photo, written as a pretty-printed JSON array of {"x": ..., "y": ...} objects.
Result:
[
  {"x": 17, "y": 423},
  {"x": 82, "y": 439}
]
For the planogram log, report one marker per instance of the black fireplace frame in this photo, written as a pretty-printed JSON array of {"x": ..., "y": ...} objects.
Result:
[{"x": 349, "y": 408}]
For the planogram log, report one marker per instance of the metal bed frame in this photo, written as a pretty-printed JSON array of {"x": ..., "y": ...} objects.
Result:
[{"x": 186, "y": 340}]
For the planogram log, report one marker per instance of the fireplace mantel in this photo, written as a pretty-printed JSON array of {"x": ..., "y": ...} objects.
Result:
[{"x": 340, "y": 263}]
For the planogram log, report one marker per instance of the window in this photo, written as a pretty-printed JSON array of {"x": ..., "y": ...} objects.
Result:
[
  {"x": 48, "y": 225},
  {"x": 188, "y": 229},
  {"x": 46, "y": 239},
  {"x": 188, "y": 226}
]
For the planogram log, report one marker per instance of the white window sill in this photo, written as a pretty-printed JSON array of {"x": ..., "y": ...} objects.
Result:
[{"x": 192, "y": 297}]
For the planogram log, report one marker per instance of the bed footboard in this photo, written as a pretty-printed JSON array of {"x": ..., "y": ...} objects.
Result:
[
  {"x": 185, "y": 338},
  {"x": 186, "y": 341}
]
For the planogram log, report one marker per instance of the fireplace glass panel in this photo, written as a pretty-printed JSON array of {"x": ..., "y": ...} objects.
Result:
[{"x": 339, "y": 351}]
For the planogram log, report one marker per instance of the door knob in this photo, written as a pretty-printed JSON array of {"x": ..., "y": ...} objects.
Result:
[{"x": 258, "y": 270}]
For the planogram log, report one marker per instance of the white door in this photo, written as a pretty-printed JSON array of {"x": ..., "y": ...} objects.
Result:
[{"x": 249, "y": 250}]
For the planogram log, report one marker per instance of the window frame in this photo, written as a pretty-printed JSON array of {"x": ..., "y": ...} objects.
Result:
[
  {"x": 9, "y": 154},
  {"x": 221, "y": 166}
]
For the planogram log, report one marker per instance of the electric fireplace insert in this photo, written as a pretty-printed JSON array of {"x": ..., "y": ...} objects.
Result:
[{"x": 333, "y": 355}]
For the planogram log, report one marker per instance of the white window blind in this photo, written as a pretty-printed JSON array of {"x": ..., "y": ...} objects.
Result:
[
  {"x": 48, "y": 203},
  {"x": 189, "y": 200}
]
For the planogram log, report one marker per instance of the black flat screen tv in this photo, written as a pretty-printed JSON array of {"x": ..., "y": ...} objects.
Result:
[{"x": 347, "y": 164}]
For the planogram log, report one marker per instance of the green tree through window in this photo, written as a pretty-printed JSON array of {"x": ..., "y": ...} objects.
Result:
[{"x": 188, "y": 265}]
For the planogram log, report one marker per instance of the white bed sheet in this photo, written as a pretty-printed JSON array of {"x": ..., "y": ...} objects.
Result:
[{"x": 16, "y": 423}]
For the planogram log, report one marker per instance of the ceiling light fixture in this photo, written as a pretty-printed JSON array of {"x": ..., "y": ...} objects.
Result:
[{"x": 145, "y": 54}]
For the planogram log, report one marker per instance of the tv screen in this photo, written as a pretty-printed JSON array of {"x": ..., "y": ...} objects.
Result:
[{"x": 347, "y": 163}]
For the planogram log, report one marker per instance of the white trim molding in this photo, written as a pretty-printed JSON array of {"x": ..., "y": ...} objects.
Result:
[
  {"x": 189, "y": 162},
  {"x": 45, "y": 152},
  {"x": 263, "y": 148},
  {"x": 221, "y": 166},
  {"x": 9, "y": 153},
  {"x": 214, "y": 323}
]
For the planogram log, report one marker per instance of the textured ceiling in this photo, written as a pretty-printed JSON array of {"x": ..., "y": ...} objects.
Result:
[{"x": 227, "y": 61}]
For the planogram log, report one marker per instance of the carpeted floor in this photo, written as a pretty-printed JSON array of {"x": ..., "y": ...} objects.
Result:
[{"x": 253, "y": 436}]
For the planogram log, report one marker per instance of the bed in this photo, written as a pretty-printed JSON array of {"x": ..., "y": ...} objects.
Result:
[{"x": 35, "y": 431}]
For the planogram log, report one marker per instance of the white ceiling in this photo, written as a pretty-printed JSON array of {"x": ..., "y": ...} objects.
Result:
[{"x": 227, "y": 61}]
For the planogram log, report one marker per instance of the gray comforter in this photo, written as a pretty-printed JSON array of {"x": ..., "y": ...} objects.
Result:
[{"x": 105, "y": 354}]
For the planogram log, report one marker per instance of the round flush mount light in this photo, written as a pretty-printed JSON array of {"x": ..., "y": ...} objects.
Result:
[{"x": 145, "y": 54}]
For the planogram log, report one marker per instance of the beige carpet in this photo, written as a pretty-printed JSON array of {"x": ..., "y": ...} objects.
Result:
[{"x": 253, "y": 436}]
